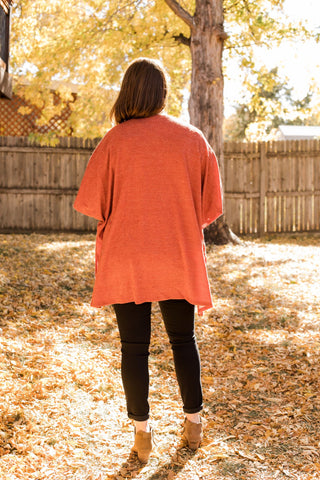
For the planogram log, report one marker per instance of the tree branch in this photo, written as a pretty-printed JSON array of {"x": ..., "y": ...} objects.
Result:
[
  {"x": 180, "y": 12},
  {"x": 182, "y": 39},
  {"x": 220, "y": 32}
]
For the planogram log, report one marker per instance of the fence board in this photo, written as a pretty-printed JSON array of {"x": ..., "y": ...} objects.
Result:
[
  {"x": 287, "y": 186},
  {"x": 316, "y": 160}
]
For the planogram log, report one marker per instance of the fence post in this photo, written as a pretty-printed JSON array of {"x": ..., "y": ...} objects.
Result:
[{"x": 263, "y": 167}]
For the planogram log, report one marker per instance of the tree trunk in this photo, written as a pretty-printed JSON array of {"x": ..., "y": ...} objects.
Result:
[{"x": 206, "y": 99}]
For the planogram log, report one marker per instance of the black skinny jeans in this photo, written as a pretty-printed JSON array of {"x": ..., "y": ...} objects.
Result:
[{"x": 134, "y": 322}]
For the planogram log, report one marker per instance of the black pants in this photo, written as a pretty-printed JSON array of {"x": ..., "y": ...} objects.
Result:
[{"x": 134, "y": 322}]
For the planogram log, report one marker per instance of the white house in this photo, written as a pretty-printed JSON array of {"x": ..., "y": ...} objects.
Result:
[{"x": 298, "y": 132}]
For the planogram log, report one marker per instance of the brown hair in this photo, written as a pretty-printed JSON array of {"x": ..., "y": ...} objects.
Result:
[{"x": 143, "y": 91}]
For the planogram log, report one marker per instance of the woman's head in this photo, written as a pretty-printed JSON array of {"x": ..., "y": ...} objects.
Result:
[{"x": 143, "y": 91}]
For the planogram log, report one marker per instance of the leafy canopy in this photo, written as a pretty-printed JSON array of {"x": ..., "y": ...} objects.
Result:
[
  {"x": 84, "y": 46},
  {"x": 270, "y": 102}
]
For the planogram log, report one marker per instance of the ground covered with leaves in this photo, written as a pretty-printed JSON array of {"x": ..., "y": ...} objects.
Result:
[{"x": 62, "y": 412}]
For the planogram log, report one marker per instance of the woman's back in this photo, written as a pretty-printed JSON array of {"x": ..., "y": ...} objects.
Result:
[
  {"x": 157, "y": 170},
  {"x": 154, "y": 184}
]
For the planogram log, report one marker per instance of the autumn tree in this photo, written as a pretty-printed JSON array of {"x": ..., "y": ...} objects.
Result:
[
  {"x": 207, "y": 37},
  {"x": 268, "y": 103},
  {"x": 84, "y": 48},
  {"x": 90, "y": 42}
]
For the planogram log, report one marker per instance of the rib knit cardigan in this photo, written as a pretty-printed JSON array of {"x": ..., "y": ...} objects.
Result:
[{"x": 153, "y": 184}]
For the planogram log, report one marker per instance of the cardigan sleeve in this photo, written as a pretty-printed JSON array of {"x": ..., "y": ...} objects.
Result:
[
  {"x": 211, "y": 188},
  {"x": 94, "y": 197}
]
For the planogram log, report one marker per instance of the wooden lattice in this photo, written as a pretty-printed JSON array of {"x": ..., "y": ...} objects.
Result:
[
  {"x": 13, "y": 123},
  {"x": 5, "y": 4}
]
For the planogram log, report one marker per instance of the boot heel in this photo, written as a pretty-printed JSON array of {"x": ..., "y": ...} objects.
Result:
[
  {"x": 193, "y": 434},
  {"x": 143, "y": 445}
]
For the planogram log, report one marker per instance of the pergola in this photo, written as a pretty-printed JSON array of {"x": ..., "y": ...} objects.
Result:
[{"x": 5, "y": 78}]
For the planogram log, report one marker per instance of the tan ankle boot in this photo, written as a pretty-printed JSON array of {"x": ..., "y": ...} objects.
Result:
[
  {"x": 192, "y": 433},
  {"x": 143, "y": 445}
]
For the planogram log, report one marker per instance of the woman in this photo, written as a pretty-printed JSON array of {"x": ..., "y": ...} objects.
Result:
[{"x": 153, "y": 183}]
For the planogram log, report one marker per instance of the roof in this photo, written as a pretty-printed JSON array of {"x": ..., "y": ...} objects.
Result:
[{"x": 299, "y": 132}]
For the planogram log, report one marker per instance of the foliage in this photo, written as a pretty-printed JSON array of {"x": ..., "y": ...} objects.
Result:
[
  {"x": 44, "y": 139},
  {"x": 85, "y": 46},
  {"x": 269, "y": 103},
  {"x": 261, "y": 22},
  {"x": 62, "y": 404}
]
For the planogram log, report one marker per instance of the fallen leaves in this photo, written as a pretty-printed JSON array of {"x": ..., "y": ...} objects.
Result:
[{"x": 63, "y": 412}]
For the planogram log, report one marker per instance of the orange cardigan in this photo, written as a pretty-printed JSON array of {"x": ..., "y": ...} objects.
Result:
[{"x": 153, "y": 184}]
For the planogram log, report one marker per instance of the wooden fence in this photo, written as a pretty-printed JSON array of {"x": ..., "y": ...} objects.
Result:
[
  {"x": 38, "y": 184},
  {"x": 269, "y": 187},
  {"x": 272, "y": 187}
]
